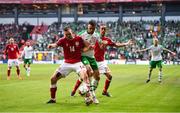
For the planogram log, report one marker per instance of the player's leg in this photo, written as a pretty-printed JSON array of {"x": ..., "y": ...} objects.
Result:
[
  {"x": 159, "y": 64},
  {"x": 89, "y": 72},
  {"x": 151, "y": 67},
  {"x": 17, "y": 69},
  {"x": 149, "y": 75},
  {"x": 104, "y": 69},
  {"x": 61, "y": 72},
  {"x": 25, "y": 62},
  {"x": 107, "y": 84},
  {"x": 9, "y": 73},
  {"x": 9, "y": 69},
  {"x": 53, "y": 87},
  {"x": 28, "y": 67},
  {"x": 18, "y": 72},
  {"x": 78, "y": 83},
  {"x": 95, "y": 81},
  {"x": 86, "y": 62},
  {"x": 94, "y": 85},
  {"x": 83, "y": 74}
]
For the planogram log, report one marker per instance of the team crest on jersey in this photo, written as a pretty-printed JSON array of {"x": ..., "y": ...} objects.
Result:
[{"x": 77, "y": 43}]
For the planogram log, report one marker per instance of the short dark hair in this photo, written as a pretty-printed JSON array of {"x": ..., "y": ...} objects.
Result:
[
  {"x": 66, "y": 28},
  {"x": 92, "y": 22}
]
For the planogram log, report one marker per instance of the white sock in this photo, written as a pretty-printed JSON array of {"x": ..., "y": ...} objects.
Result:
[
  {"x": 160, "y": 75},
  {"x": 28, "y": 69}
]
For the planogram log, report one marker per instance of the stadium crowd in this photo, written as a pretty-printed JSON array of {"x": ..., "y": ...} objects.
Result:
[{"x": 141, "y": 32}]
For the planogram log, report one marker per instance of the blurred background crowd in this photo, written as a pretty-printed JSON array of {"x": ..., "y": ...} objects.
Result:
[{"x": 142, "y": 32}]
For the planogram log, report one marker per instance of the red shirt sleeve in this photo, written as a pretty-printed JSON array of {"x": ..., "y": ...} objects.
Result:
[
  {"x": 110, "y": 42},
  {"x": 60, "y": 42}
]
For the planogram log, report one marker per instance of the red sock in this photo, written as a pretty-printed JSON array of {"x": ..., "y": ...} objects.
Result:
[
  {"x": 53, "y": 92},
  {"x": 78, "y": 83},
  {"x": 106, "y": 86},
  {"x": 8, "y": 72},
  {"x": 18, "y": 72}
]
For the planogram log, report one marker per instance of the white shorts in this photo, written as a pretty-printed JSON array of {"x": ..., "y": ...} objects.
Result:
[
  {"x": 103, "y": 68},
  {"x": 12, "y": 62},
  {"x": 67, "y": 68}
]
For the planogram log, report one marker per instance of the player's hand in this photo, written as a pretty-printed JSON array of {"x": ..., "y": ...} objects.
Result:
[
  {"x": 130, "y": 42},
  {"x": 49, "y": 46},
  {"x": 173, "y": 53},
  {"x": 104, "y": 42},
  {"x": 91, "y": 47},
  {"x": 136, "y": 51}
]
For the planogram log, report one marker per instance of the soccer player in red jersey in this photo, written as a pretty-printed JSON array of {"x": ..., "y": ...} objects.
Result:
[
  {"x": 72, "y": 47},
  {"x": 99, "y": 52},
  {"x": 99, "y": 56},
  {"x": 12, "y": 51}
]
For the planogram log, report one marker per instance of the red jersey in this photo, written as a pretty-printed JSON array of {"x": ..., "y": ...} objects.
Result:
[
  {"x": 72, "y": 48},
  {"x": 12, "y": 50},
  {"x": 99, "y": 52}
]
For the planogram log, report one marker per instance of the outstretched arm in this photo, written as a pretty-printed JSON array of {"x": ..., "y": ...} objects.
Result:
[
  {"x": 129, "y": 42},
  {"x": 142, "y": 50},
  {"x": 173, "y": 53},
  {"x": 53, "y": 45}
]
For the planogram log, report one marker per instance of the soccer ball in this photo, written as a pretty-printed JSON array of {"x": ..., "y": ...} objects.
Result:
[{"x": 83, "y": 90}]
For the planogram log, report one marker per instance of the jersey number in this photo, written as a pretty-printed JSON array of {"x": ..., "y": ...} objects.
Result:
[{"x": 72, "y": 49}]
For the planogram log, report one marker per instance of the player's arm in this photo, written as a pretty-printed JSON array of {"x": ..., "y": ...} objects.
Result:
[
  {"x": 173, "y": 53},
  {"x": 22, "y": 54},
  {"x": 142, "y": 50},
  {"x": 53, "y": 45},
  {"x": 129, "y": 42},
  {"x": 18, "y": 53},
  {"x": 5, "y": 52},
  {"x": 87, "y": 46}
]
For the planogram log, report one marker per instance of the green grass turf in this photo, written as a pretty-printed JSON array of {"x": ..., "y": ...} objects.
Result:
[{"x": 129, "y": 90}]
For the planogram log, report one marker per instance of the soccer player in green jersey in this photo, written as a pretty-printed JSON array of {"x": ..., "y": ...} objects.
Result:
[
  {"x": 91, "y": 37},
  {"x": 156, "y": 58},
  {"x": 27, "y": 54}
]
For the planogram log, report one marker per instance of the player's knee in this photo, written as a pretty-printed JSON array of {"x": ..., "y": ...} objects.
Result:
[
  {"x": 97, "y": 78},
  {"x": 53, "y": 80},
  {"x": 110, "y": 77},
  {"x": 9, "y": 68},
  {"x": 160, "y": 69},
  {"x": 17, "y": 67}
]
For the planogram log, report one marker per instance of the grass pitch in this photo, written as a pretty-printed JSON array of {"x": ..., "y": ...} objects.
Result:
[{"x": 129, "y": 90}]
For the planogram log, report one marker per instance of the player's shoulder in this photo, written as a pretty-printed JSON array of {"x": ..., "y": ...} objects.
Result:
[
  {"x": 106, "y": 38},
  {"x": 96, "y": 34},
  {"x": 62, "y": 39},
  {"x": 160, "y": 45},
  {"x": 81, "y": 33},
  {"x": 77, "y": 37},
  {"x": 15, "y": 45}
]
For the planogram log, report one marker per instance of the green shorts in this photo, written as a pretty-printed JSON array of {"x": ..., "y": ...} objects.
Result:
[
  {"x": 90, "y": 61},
  {"x": 27, "y": 61},
  {"x": 153, "y": 64}
]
